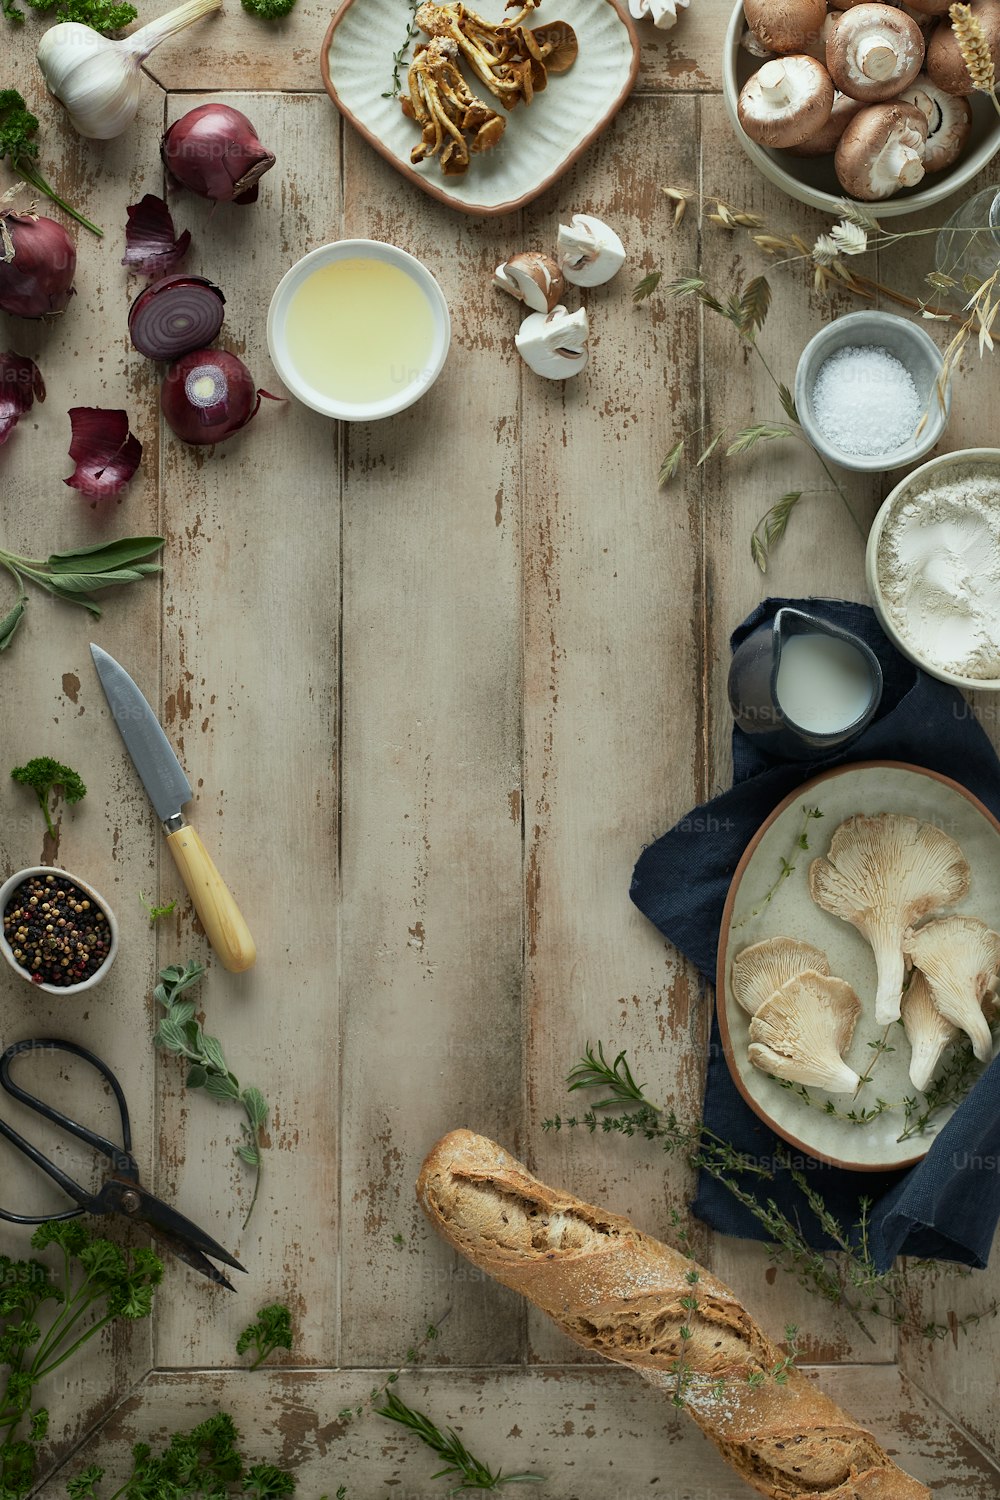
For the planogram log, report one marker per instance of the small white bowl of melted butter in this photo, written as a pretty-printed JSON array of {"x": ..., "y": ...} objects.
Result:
[
  {"x": 358, "y": 330},
  {"x": 933, "y": 567}
]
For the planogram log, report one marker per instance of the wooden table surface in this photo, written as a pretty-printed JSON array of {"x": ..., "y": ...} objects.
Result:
[{"x": 436, "y": 681}]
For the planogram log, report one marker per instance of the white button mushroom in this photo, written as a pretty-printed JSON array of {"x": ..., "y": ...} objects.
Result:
[
  {"x": 662, "y": 13},
  {"x": 589, "y": 252},
  {"x": 949, "y": 120},
  {"x": 786, "y": 101},
  {"x": 944, "y": 60},
  {"x": 875, "y": 52},
  {"x": 824, "y": 142},
  {"x": 881, "y": 151},
  {"x": 784, "y": 25},
  {"x": 554, "y": 344},
  {"x": 531, "y": 278}
]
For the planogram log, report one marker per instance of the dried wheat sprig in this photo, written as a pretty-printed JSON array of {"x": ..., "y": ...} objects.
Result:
[{"x": 975, "y": 51}]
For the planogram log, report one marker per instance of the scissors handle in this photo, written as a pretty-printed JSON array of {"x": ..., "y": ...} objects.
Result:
[{"x": 119, "y": 1155}]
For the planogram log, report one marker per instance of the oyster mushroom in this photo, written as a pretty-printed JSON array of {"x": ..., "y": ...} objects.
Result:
[
  {"x": 760, "y": 970},
  {"x": 803, "y": 1030},
  {"x": 589, "y": 252},
  {"x": 959, "y": 956},
  {"x": 531, "y": 278},
  {"x": 784, "y": 25},
  {"x": 662, "y": 13},
  {"x": 881, "y": 151},
  {"x": 883, "y": 874},
  {"x": 929, "y": 1033},
  {"x": 949, "y": 120},
  {"x": 554, "y": 344},
  {"x": 874, "y": 53},
  {"x": 825, "y": 141},
  {"x": 945, "y": 63},
  {"x": 786, "y": 101}
]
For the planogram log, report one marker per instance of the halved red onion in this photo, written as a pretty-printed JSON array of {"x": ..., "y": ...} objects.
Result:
[
  {"x": 208, "y": 395},
  {"x": 151, "y": 246},
  {"x": 106, "y": 454},
  {"x": 37, "y": 265},
  {"x": 21, "y": 385},
  {"x": 214, "y": 151},
  {"x": 175, "y": 315}
]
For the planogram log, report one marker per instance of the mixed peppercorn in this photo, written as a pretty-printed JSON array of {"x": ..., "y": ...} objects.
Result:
[{"x": 56, "y": 933}]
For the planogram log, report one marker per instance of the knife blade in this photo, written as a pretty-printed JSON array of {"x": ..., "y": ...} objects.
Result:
[{"x": 168, "y": 789}]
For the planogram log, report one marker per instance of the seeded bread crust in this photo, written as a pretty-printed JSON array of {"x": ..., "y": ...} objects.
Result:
[{"x": 618, "y": 1292}]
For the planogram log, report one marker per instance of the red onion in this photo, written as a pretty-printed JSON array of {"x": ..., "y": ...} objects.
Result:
[
  {"x": 21, "y": 385},
  {"x": 37, "y": 265},
  {"x": 208, "y": 395},
  {"x": 214, "y": 151},
  {"x": 104, "y": 451},
  {"x": 175, "y": 315},
  {"x": 151, "y": 247}
]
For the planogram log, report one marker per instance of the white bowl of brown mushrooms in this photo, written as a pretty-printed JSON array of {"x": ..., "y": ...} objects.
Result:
[{"x": 835, "y": 100}]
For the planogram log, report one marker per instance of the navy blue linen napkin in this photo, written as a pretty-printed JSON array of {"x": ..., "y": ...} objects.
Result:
[{"x": 947, "y": 1206}]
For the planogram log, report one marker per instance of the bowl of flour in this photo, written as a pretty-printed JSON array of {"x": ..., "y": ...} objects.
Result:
[{"x": 933, "y": 566}]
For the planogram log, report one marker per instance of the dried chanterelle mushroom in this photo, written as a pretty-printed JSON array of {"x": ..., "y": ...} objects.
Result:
[
  {"x": 883, "y": 874},
  {"x": 881, "y": 151},
  {"x": 959, "y": 956},
  {"x": 786, "y": 101},
  {"x": 512, "y": 60},
  {"x": 453, "y": 122},
  {"x": 928, "y": 1032},
  {"x": 531, "y": 278},
  {"x": 803, "y": 1030},
  {"x": 764, "y": 967},
  {"x": 875, "y": 52},
  {"x": 554, "y": 344}
]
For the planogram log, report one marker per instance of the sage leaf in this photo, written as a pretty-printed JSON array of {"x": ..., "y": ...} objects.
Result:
[
  {"x": 197, "y": 1077},
  {"x": 256, "y": 1107},
  {"x": 9, "y": 624},
  {"x": 182, "y": 1012},
  {"x": 171, "y": 1036},
  {"x": 211, "y": 1051},
  {"x": 221, "y": 1087},
  {"x": 249, "y": 1154},
  {"x": 103, "y": 557}
]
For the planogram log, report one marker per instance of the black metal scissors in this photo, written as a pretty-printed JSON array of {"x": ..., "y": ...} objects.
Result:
[{"x": 121, "y": 1192}]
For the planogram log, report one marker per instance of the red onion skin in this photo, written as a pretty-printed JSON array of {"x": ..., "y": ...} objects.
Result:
[
  {"x": 214, "y": 151},
  {"x": 39, "y": 279},
  {"x": 203, "y": 425}
]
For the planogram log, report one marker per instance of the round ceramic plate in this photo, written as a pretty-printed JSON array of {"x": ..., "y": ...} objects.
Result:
[
  {"x": 540, "y": 142},
  {"x": 751, "y": 915}
]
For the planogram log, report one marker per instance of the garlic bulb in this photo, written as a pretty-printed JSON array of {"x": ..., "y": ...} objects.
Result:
[{"x": 98, "y": 80}]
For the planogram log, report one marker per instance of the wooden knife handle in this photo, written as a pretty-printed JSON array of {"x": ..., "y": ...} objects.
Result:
[{"x": 221, "y": 918}]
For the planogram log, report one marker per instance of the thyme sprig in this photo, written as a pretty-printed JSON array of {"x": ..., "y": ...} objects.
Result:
[
  {"x": 399, "y": 58},
  {"x": 411, "y": 1358},
  {"x": 786, "y": 867}
]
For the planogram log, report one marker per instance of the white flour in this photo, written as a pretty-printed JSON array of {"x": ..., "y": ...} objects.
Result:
[{"x": 939, "y": 571}]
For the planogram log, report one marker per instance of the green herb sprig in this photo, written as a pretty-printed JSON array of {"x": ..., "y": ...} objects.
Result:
[
  {"x": 17, "y": 129},
  {"x": 106, "y": 16},
  {"x": 45, "y": 776},
  {"x": 97, "y": 1283},
  {"x": 73, "y": 576},
  {"x": 157, "y": 912},
  {"x": 411, "y": 1358},
  {"x": 459, "y": 1463},
  {"x": 399, "y": 58},
  {"x": 272, "y": 1330},
  {"x": 786, "y": 867},
  {"x": 182, "y": 1034},
  {"x": 203, "y": 1462}
]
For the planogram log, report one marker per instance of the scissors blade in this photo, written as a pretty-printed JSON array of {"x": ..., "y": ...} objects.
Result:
[{"x": 189, "y": 1243}]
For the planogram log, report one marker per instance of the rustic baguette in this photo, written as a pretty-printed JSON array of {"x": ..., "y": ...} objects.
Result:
[{"x": 618, "y": 1292}]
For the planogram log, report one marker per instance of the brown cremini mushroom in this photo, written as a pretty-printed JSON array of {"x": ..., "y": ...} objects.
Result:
[
  {"x": 945, "y": 63},
  {"x": 927, "y": 9},
  {"x": 784, "y": 25},
  {"x": 949, "y": 120},
  {"x": 824, "y": 142},
  {"x": 786, "y": 101},
  {"x": 531, "y": 278},
  {"x": 874, "y": 53},
  {"x": 881, "y": 151}
]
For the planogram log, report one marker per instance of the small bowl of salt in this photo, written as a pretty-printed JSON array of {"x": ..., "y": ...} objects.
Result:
[{"x": 863, "y": 387}]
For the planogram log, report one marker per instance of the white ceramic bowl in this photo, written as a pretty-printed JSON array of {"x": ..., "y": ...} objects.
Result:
[
  {"x": 7, "y": 890},
  {"x": 813, "y": 180},
  {"x": 353, "y": 250},
  {"x": 937, "y": 469},
  {"x": 915, "y": 350}
]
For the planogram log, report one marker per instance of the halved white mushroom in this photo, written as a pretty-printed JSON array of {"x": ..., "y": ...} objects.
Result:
[
  {"x": 786, "y": 101},
  {"x": 881, "y": 151},
  {"x": 662, "y": 13},
  {"x": 875, "y": 52},
  {"x": 959, "y": 957},
  {"x": 554, "y": 344},
  {"x": 589, "y": 251},
  {"x": 803, "y": 1030},
  {"x": 531, "y": 278},
  {"x": 949, "y": 120},
  {"x": 784, "y": 25},
  {"x": 761, "y": 969},
  {"x": 929, "y": 1033},
  {"x": 883, "y": 874},
  {"x": 825, "y": 141},
  {"x": 945, "y": 63}
]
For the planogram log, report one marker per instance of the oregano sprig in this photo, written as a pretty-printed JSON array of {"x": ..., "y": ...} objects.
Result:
[{"x": 181, "y": 1033}]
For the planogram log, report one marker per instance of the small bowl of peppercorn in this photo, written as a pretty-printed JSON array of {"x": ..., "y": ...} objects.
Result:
[{"x": 57, "y": 932}]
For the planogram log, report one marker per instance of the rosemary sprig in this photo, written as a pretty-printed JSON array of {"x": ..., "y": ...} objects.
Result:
[
  {"x": 459, "y": 1463},
  {"x": 399, "y": 58},
  {"x": 786, "y": 867}
]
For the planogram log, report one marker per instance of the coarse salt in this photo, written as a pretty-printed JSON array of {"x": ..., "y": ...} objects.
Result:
[{"x": 865, "y": 401}]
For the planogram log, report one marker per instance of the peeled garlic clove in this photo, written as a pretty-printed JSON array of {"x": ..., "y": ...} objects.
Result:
[
  {"x": 589, "y": 252},
  {"x": 554, "y": 344},
  {"x": 531, "y": 278}
]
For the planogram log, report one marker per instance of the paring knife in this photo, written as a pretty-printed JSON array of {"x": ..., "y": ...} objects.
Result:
[{"x": 168, "y": 789}]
